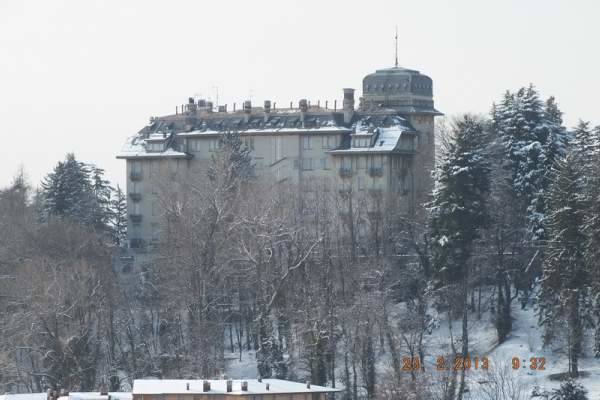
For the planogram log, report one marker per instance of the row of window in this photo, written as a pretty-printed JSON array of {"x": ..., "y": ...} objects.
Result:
[
  {"x": 153, "y": 167},
  {"x": 361, "y": 142},
  {"x": 155, "y": 146},
  {"x": 327, "y": 142},
  {"x": 361, "y": 162}
]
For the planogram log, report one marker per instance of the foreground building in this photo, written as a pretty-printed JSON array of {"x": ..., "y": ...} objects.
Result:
[
  {"x": 383, "y": 145},
  {"x": 252, "y": 389}
]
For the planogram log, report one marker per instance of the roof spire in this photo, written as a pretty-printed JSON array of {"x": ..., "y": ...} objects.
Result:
[{"x": 396, "y": 46}]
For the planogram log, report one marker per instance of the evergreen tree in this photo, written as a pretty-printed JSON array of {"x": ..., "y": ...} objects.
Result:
[
  {"x": 564, "y": 294},
  {"x": 569, "y": 390},
  {"x": 458, "y": 212},
  {"x": 458, "y": 206},
  {"x": 102, "y": 192},
  {"x": 519, "y": 121},
  {"x": 118, "y": 217},
  {"x": 76, "y": 191},
  {"x": 67, "y": 191}
]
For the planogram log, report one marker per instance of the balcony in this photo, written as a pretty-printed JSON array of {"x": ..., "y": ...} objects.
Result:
[
  {"x": 345, "y": 172},
  {"x": 376, "y": 172},
  {"x": 136, "y": 197},
  {"x": 135, "y": 175},
  {"x": 136, "y": 218}
]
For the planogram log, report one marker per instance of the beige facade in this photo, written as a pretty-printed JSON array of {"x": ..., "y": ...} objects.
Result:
[{"x": 386, "y": 145}]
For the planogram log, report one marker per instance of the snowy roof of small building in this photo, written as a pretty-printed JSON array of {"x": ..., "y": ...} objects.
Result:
[
  {"x": 23, "y": 396},
  {"x": 97, "y": 396},
  {"x": 179, "y": 386}
]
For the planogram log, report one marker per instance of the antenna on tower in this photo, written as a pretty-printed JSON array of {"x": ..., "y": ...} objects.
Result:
[{"x": 396, "y": 46}]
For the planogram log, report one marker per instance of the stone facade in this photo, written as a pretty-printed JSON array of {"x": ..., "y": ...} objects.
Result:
[{"x": 386, "y": 144}]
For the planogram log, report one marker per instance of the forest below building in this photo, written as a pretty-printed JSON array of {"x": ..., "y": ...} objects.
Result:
[{"x": 312, "y": 283}]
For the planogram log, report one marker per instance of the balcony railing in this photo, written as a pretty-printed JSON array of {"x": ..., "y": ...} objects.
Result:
[
  {"x": 376, "y": 171},
  {"x": 345, "y": 172},
  {"x": 135, "y": 196},
  {"x": 136, "y": 218},
  {"x": 135, "y": 175}
]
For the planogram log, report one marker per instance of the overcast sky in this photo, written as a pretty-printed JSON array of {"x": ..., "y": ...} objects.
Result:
[{"x": 82, "y": 76}]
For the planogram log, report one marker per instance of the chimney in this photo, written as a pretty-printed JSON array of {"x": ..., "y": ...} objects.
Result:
[
  {"x": 229, "y": 385},
  {"x": 348, "y": 105},
  {"x": 223, "y": 109},
  {"x": 308, "y": 384},
  {"x": 267, "y": 106},
  {"x": 303, "y": 108},
  {"x": 326, "y": 103},
  {"x": 191, "y": 107},
  {"x": 187, "y": 386},
  {"x": 247, "y": 110},
  {"x": 209, "y": 107},
  {"x": 268, "y": 386},
  {"x": 206, "y": 386},
  {"x": 303, "y": 105},
  {"x": 335, "y": 105},
  {"x": 244, "y": 386}
]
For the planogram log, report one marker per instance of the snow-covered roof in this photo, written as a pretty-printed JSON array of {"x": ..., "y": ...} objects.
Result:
[
  {"x": 179, "y": 386},
  {"x": 134, "y": 147},
  {"x": 97, "y": 396},
  {"x": 24, "y": 396},
  {"x": 387, "y": 136}
]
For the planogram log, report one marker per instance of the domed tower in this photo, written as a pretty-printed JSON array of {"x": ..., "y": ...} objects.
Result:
[{"x": 410, "y": 94}]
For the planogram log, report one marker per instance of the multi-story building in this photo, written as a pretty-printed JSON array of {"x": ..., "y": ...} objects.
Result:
[{"x": 386, "y": 144}]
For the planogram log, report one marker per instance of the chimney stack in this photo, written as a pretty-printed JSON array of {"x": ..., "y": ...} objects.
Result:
[
  {"x": 267, "y": 106},
  {"x": 206, "y": 386},
  {"x": 187, "y": 386},
  {"x": 303, "y": 108},
  {"x": 348, "y": 105},
  {"x": 268, "y": 386},
  {"x": 209, "y": 107},
  {"x": 308, "y": 384},
  {"x": 303, "y": 105},
  {"x": 247, "y": 106},
  {"x": 229, "y": 386},
  {"x": 244, "y": 386},
  {"x": 223, "y": 109}
]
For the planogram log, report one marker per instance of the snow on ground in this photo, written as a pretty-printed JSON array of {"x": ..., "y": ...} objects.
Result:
[
  {"x": 244, "y": 368},
  {"x": 524, "y": 342}
]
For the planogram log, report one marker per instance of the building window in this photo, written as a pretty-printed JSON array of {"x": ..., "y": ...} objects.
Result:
[
  {"x": 324, "y": 163},
  {"x": 213, "y": 144},
  {"x": 307, "y": 164},
  {"x": 328, "y": 142},
  {"x": 249, "y": 142},
  {"x": 195, "y": 145},
  {"x": 361, "y": 162},
  {"x": 306, "y": 142},
  {"x": 277, "y": 148},
  {"x": 360, "y": 183}
]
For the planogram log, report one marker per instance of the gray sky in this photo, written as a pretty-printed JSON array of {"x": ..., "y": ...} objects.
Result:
[{"x": 82, "y": 76}]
